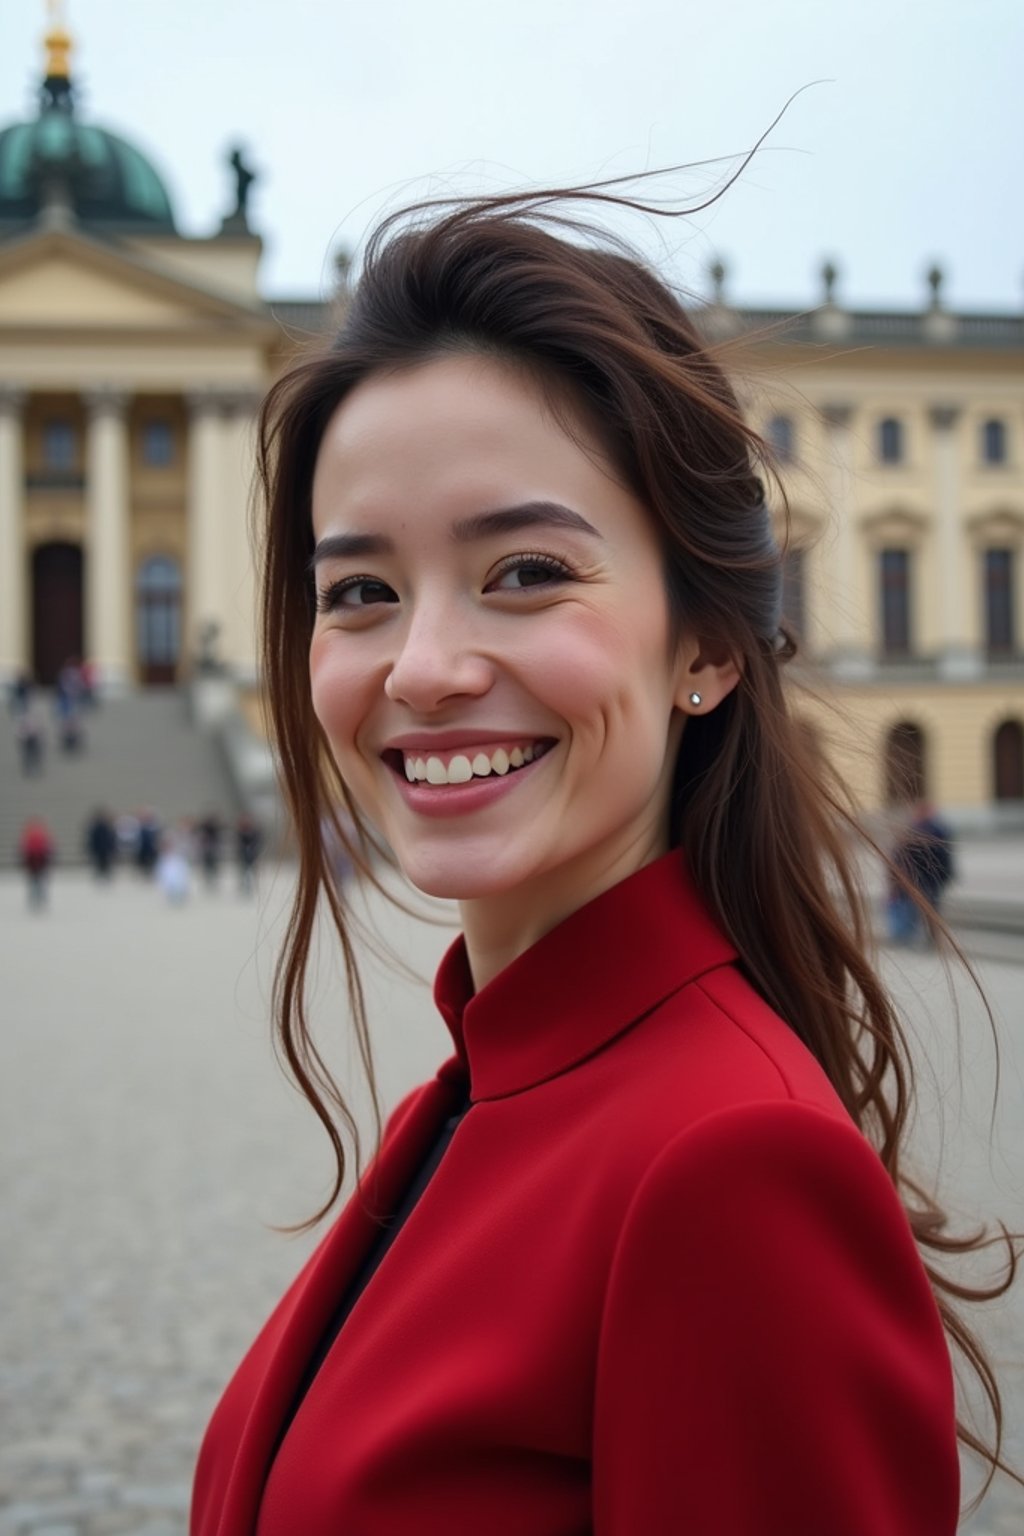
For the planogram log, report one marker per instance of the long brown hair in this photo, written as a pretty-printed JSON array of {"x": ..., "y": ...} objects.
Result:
[{"x": 769, "y": 834}]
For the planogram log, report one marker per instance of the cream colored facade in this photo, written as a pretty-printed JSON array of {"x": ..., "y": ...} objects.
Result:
[
  {"x": 937, "y": 681},
  {"x": 132, "y": 360},
  {"x": 104, "y": 344}
]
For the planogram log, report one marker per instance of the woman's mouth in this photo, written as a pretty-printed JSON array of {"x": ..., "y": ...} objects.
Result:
[{"x": 461, "y": 765}]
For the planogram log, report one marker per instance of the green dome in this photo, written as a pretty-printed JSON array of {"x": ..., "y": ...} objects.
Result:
[{"x": 105, "y": 180}]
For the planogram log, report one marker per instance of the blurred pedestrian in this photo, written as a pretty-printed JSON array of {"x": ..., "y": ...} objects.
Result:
[
  {"x": 333, "y": 830},
  {"x": 87, "y": 677},
  {"x": 31, "y": 743},
  {"x": 209, "y": 837},
  {"x": 101, "y": 844},
  {"x": 923, "y": 855},
  {"x": 35, "y": 855},
  {"x": 173, "y": 872},
  {"x": 147, "y": 843},
  {"x": 21, "y": 693},
  {"x": 248, "y": 846},
  {"x": 127, "y": 828},
  {"x": 67, "y": 703}
]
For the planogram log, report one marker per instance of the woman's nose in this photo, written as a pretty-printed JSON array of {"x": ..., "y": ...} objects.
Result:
[{"x": 439, "y": 660}]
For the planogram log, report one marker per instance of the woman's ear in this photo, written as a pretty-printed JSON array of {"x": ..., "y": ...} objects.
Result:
[{"x": 705, "y": 674}]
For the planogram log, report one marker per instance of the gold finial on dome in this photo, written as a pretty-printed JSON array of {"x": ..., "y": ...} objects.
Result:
[{"x": 58, "y": 44}]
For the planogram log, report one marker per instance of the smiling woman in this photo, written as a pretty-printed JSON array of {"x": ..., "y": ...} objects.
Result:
[{"x": 644, "y": 1256}]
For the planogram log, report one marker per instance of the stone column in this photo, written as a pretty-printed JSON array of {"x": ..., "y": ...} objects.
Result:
[
  {"x": 205, "y": 579},
  {"x": 848, "y": 620},
  {"x": 239, "y": 649},
  {"x": 108, "y": 596},
  {"x": 13, "y": 565},
  {"x": 959, "y": 653}
]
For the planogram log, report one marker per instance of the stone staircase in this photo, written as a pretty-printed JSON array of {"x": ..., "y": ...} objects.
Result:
[{"x": 139, "y": 750}]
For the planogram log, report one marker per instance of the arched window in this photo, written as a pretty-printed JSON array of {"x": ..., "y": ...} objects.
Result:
[
  {"x": 993, "y": 442},
  {"x": 1000, "y": 619},
  {"x": 158, "y": 618},
  {"x": 781, "y": 435},
  {"x": 1008, "y": 760},
  {"x": 906, "y": 778},
  {"x": 890, "y": 440},
  {"x": 894, "y": 602}
]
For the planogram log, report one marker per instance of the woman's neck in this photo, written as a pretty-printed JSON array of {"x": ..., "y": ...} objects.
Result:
[{"x": 500, "y": 928}]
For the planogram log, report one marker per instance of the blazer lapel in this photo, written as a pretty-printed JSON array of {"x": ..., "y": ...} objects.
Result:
[{"x": 294, "y": 1329}]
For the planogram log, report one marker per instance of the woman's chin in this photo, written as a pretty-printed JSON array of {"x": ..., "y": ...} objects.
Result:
[{"x": 459, "y": 879}]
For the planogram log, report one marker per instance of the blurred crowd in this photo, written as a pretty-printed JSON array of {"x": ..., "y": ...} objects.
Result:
[
  {"x": 74, "y": 694},
  {"x": 172, "y": 857}
]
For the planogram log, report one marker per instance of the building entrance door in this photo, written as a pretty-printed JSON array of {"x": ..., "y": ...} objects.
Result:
[{"x": 56, "y": 609}]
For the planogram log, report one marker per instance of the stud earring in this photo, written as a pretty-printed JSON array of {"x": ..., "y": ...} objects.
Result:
[{"x": 695, "y": 699}]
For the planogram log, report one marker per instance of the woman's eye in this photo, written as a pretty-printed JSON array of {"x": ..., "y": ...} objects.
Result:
[
  {"x": 353, "y": 592},
  {"x": 523, "y": 571}
]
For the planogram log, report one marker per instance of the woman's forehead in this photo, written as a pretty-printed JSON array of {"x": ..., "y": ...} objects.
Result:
[{"x": 460, "y": 430}]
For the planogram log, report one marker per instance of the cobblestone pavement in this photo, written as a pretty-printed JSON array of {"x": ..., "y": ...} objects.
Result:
[{"x": 148, "y": 1143}]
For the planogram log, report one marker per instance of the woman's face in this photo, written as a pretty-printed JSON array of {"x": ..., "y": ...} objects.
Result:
[{"x": 491, "y": 658}]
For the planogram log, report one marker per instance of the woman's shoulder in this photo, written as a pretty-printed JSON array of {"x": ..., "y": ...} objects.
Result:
[{"x": 717, "y": 1045}]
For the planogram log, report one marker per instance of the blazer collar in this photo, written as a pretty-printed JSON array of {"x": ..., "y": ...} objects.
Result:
[{"x": 583, "y": 983}]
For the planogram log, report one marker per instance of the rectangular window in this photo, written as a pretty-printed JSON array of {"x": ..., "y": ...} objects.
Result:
[
  {"x": 157, "y": 443},
  {"x": 60, "y": 450},
  {"x": 993, "y": 442},
  {"x": 793, "y": 590},
  {"x": 1000, "y": 627},
  {"x": 890, "y": 440},
  {"x": 894, "y": 583}
]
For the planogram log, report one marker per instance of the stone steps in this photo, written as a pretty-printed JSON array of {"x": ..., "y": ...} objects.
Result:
[{"x": 140, "y": 750}]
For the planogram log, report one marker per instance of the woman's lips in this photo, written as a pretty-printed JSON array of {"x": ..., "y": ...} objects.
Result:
[
  {"x": 455, "y": 796},
  {"x": 459, "y": 765}
]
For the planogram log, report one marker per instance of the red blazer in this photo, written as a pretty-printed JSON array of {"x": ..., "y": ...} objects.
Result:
[{"x": 659, "y": 1283}]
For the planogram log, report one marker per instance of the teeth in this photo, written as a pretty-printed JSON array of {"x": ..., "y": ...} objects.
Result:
[{"x": 460, "y": 770}]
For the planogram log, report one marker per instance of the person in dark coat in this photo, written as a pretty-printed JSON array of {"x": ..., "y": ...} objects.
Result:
[
  {"x": 101, "y": 844},
  {"x": 248, "y": 846},
  {"x": 147, "y": 846},
  {"x": 924, "y": 856},
  {"x": 209, "y": 837}
]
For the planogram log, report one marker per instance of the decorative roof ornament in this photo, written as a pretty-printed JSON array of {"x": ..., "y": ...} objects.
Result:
[
  {"x": 236, "y": 222},
  {"x": 936, "y": 278},
  {"x": 718, "y": 274},
  {"x": 829, "y": 278},
  {"x": 56, "y": 88}
]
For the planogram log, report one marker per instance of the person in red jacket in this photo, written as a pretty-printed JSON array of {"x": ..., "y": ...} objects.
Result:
[
  {"x": 35, "y": 854},
  {"x": 638, "y": 1259}
]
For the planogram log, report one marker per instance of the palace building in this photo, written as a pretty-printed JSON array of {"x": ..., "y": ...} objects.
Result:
[{"x": 132, "y": 359}]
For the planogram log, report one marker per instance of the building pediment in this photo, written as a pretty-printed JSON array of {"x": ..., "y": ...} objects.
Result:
[{"x": 60, "y": 280}]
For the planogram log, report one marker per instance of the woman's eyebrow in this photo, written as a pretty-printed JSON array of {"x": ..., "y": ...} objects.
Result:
[
  {"x": 482, "y": 525},
  {"x": 350, "y": 546},
  {"x": 531, "y": 514}
]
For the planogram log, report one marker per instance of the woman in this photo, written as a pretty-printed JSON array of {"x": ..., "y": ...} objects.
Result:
[{"x": 630, "y": 1263}]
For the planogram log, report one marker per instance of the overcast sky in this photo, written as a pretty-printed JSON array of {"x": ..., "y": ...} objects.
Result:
[{"x": 912, "y": 152}]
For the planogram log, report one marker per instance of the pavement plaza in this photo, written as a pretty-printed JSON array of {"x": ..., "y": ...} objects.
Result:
[{"x": 149, "y": 1144}]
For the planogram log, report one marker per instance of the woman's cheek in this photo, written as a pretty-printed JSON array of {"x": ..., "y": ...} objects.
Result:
[{"x": 330, "y": 688}]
